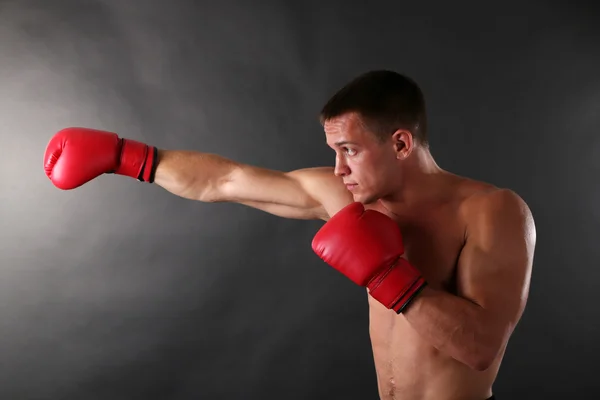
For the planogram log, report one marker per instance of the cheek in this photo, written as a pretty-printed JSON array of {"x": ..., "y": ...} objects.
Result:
[
  {"x": 375, "y": 172},
  {"x": 362, "y": 168},
  {"x": 354, "y": 163}
]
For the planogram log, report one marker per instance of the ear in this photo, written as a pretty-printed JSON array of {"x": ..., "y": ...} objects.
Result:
[{"x": 403, "y": 143}]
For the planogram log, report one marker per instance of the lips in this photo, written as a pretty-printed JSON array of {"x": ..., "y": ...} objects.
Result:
[{"x": 351, "y": 186}]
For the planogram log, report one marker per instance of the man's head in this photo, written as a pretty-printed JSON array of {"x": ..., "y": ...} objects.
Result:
[{"x": 374, "y": 123}]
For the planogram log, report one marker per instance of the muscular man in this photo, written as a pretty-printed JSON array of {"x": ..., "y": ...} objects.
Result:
[{"x": 446, "y": 260}]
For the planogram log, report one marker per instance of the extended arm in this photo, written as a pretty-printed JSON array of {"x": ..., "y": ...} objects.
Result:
[
  {"x": 494, "y": 272},
  {"x": 76, "y": 155},
  {"x": 309, "y": 193}
]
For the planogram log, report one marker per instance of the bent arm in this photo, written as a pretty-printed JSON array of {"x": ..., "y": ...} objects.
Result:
[
  {"x": 493, "y": 278},
  {"x": 312, "y": 193}
]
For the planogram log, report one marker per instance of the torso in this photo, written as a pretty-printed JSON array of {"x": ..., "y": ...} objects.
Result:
[{"x": 407, "y": 366}]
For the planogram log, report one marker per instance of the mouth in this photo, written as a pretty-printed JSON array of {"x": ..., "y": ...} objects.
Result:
[{"x": 351, "y": 186}]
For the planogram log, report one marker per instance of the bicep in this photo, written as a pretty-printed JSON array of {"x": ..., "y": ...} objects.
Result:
[
  {"x": 494, "y": 268},
  {"x": 311, "y": 193}
]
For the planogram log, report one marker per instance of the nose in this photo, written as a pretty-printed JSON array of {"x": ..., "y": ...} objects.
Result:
[{"x": 341, "y": 169}]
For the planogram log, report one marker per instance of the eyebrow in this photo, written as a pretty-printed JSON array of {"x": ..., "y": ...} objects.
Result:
[{"x": 344, "y": 142}]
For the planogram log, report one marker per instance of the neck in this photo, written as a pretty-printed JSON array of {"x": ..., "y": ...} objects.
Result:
[{"x": 421, "y": 180}]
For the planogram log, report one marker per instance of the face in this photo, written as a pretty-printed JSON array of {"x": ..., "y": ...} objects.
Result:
[{"x": 368, "y": 166}]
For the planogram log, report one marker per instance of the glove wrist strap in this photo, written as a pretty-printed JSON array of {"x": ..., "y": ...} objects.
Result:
[
  {"x": 396, "y": 287},
  {"x": 137, "y": 160}
]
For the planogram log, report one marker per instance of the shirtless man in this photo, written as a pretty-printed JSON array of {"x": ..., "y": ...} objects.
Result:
[{"x": 440, "y": 316}]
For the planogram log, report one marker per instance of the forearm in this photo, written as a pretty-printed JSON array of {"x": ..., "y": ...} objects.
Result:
[
  {"x": 193, "y": 175},
  {"x": 456, "y": 326}
]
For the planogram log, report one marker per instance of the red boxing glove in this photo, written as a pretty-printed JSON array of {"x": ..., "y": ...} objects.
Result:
[
  {"x": 75, "y": 156},
  {"x": 366, "y": 246}
]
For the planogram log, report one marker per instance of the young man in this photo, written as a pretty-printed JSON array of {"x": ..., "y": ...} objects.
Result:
[{"x": 446, "y": 260}]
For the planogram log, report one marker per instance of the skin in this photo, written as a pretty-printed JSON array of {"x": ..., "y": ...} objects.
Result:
[{"x": 473, "y": 243}]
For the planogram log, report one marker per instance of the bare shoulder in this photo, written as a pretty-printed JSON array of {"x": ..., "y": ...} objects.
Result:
[
  {"x": 488, "y": 209},
  {"x": 325, "y": 187},
  {"x": 487, "y": 199}
]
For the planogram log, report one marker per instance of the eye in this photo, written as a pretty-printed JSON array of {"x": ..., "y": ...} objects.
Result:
[{"x": 349, "y": 151}]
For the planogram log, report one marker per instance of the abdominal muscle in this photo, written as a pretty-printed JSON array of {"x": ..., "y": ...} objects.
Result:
[{"x": 409, "y": 368}]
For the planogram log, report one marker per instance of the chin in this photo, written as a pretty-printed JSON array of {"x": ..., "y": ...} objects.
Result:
[{"x": 366, "y": 198}]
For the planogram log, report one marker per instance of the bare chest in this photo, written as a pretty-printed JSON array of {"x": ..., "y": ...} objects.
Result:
[{"x": 433, "y": 239}]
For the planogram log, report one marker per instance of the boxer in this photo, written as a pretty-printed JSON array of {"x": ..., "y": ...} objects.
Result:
[{"x": 445, "y": 260}]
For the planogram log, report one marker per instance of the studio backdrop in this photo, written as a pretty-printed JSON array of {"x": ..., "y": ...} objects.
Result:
[{"x": 120, "y": 290}]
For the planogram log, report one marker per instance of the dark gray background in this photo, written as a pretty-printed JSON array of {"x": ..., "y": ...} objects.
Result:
[{"x": 119, "y": 290}]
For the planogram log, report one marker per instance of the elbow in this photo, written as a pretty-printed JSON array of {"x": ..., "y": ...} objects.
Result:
[
  {"x": 483, "y": 354},
  {"x": 481, "y": 364},
  {"x": 483, "y": 358}
]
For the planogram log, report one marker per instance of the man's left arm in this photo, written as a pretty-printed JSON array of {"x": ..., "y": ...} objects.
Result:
[{"x": 493, "y": 276}]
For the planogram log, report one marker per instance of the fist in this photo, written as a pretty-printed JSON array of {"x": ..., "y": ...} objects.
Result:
[
  {"x": 75, "y": 156},
  {"x": 366, "y": 246},
  {"x": 360, "y": 242}
]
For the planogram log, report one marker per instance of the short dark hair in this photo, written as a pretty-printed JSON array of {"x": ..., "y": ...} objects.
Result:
[{"x": 385, "y": 102}]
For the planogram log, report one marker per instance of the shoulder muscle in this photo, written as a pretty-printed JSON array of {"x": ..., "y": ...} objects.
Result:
[
  {"x": 495, "y": 264},
  {"x": 327, "y": 189}
]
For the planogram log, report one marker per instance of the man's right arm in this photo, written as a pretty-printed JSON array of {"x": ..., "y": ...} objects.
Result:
[
  {"x": 75, "y": 156},
  {"x": 310, "y": 193}
]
